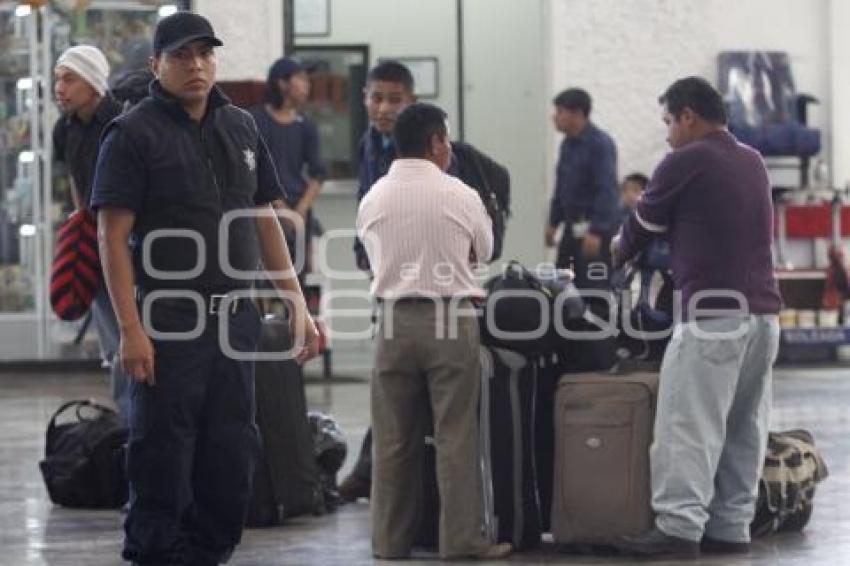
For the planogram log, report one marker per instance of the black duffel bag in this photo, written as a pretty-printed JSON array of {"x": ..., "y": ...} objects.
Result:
[
  {"x": 520, "y": 310},
  {"x": 84, "y": 464}
]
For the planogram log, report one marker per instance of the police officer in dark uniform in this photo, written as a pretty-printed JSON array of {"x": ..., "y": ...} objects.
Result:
[{"x": 181, "y": 175}]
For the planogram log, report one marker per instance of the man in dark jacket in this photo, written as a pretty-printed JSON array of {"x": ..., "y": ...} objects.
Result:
[
  {"x": 389, "y": 90},
  {"x": 80, "y": 87},
  {"x": 186, "y": 178}
]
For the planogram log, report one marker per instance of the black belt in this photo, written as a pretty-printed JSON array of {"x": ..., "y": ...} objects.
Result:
[{"x": 212, "y": 302}]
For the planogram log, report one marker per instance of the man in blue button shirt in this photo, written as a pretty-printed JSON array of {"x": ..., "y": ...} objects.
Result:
[{"x": 586, "y": 197}]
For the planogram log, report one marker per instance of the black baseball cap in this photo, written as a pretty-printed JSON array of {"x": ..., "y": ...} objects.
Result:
[
  {"x": 174, "y": 31},
  {"x": 285, "y": 67}
]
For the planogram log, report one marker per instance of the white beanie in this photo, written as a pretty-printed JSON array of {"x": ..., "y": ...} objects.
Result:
[{"x": 89, "y": 62}]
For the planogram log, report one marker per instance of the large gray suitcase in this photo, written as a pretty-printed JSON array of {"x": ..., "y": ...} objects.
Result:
[{"x": 603, "y": 429}]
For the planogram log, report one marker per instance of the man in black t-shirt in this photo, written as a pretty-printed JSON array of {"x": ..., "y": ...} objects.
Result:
[
  {"x": 293, "y": 143},
  {"x": 80, "y": 89}
]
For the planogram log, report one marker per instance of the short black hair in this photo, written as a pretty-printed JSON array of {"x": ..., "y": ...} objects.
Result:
[
  {"x": 415, "y": 127},
  {"x": 273, "y": 95},
  {"x": 391, "y": 72},
  {"x": 697, "y": 94},
  {"x": 638, "y": 178},
  {"x": 574, "y": 99}
]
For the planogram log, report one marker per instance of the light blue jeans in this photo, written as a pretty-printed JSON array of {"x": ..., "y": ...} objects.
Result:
[
  {"x": 711, "y": 426},
  {"x": 109, "y": 336}
]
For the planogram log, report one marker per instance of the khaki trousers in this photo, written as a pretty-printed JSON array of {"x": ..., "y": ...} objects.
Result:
[{"x": 412, "y": 369}]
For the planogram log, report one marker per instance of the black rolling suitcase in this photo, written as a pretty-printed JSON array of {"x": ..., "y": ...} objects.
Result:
[
  {"x": 506, "y": 429},
  {"x": 286, "y": 479},
  {"x": 549, "y": 371},
  {"x": 508, "y": 448}
]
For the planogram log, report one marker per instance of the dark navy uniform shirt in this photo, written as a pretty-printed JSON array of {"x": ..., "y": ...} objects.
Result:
[
  {"x": 374, "y": 156},
  {"x": 711, "y": 198},
  {"x": 294, "y": 149},
  {"x": 177, "y": 174},
  {"x": 586, "y": 182}
]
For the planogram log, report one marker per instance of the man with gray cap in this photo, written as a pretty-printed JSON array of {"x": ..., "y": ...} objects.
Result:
[
  {"x": 186, "y": 176},
  {"x": 81, "y": 93}
]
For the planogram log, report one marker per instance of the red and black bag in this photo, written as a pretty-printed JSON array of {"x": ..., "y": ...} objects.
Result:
[{"x": 75, "y": 274}]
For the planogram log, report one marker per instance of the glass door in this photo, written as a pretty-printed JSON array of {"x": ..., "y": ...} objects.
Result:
[
  {"x": 22, "y": 263},
  {"x": 34, "y": 196}
]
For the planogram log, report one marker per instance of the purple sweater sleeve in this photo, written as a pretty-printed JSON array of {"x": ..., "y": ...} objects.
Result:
[{"x": 654, "y": 210}]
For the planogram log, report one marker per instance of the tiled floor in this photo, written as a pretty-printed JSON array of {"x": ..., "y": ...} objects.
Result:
[{"x": 32, "y": 531}]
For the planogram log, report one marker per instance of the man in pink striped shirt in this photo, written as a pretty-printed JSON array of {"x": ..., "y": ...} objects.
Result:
[{"x": 424, "y": 231}]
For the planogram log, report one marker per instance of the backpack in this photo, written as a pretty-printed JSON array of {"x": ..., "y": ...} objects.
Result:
[
  {"x": 493, "y": 184},
  {"x": 84, "y": 465},
  {"x": 519, "y": 311},
  {"x": 792, "y": 469},
  {"x": 131, "y": 87},
  {"x": 645, "y": 292}
]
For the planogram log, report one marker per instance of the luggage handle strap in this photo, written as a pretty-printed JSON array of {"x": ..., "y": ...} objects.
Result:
[
  {"x": 519, "y": 269},
  {"x": 79, "y": 404}
]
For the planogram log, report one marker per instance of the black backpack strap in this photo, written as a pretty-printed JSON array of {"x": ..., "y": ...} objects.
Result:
[
  {"x": 81, "y": 333},
  {"x": 79, "y": 404},
  {"x": 522, "y": 273}
]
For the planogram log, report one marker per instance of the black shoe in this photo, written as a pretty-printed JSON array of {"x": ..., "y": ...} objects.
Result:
[
  {"x": 353, "y": 488},
  {"x": 657, "y": 543},
  {"x": 716, "y": 546}
]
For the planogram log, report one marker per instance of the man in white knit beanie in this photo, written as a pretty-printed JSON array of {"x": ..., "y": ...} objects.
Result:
[
  {"x": 89, "y": 63},
  {"x": 81, "y": 92},
  {"x": 80, "y": 87}
]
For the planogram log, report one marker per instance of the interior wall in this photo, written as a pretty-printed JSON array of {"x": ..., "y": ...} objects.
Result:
[
  {"x": 390, "y": 28},
  {"x": 839, "y": 60},
  {"x": 505, "y": 114},
  {"x": 400, "y": 28},
  {"x": 504, "y": 85},
  {"x": 253, "y": 38},
  {"x": 506, "y": 81},
  {"x": 626, "y": 53},
  {"x": 518, "y": 55}
]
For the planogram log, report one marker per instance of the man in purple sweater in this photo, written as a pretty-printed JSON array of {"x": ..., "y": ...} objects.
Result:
[{"x": 711, "y": 197}]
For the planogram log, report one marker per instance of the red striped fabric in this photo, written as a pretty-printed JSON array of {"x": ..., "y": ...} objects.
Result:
[{"x": 75, "y": 274}]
